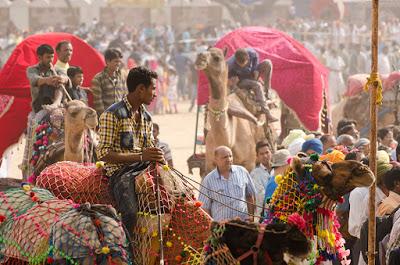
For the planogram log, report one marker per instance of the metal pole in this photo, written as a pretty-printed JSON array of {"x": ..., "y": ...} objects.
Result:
[
  {"x": 373, "y": 137},
  {"x": 195, "y": 132},
  {"x": 159, "y": 215}
]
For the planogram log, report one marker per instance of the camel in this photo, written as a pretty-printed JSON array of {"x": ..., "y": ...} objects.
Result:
[
  {"x": 231, "y": 124},
  {"x": 357, "y": 108},
  {"x": 77, "y": 120},
  {"x": 302, "y": 207},
  {"x": 356, "y": 104}
]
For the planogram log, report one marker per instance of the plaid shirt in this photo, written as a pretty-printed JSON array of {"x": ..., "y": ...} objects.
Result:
[
  {"x": 119, "y": 132},
  {"x": 107, "y": 90}
]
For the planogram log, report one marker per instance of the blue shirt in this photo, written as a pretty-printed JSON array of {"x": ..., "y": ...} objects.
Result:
[
  {"x": 245, "y": 72},
  {"x": 215, "y": 188},
  {"x": 270, "y": 188}
]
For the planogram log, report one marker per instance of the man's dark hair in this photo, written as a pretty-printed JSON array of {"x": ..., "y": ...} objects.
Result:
[
  {"x": 111, "y": 54},
  {"x": 344, "y": 122},
  {"x": 44, "y": 48},
  {"x": 391, "y": 177},
  {"x": 383, "y": 132},
  {"x": 60, "y": 44},
  {"x": 241, "y": 55},
  {"x": 74, "y": 70},
  {"x": 155, "y": 125},
  {"x": 139, "y": 75},
  {"x": 324, "y": 138},
  {"x": 261, "y": 144},
  {"x": 346, "y": 129}
]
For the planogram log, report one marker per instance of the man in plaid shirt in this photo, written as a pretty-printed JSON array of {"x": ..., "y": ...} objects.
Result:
[{"x": 126, "y": 141}]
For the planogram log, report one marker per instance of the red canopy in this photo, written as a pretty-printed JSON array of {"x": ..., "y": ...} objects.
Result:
[
  {"x": 297, "y": 75},
  {"x": 13, "y": 80}
]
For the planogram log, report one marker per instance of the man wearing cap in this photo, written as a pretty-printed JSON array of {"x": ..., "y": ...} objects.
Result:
[
  {"x": 363, "y": 145},
  {"x": 312, "y": 146},
  {"x": 260, "y": 174},
  {"x": 227, "y": 192},
  {"x": 280, "y": 163}
]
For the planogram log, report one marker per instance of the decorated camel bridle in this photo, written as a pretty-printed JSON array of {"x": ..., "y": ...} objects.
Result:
[{"x": 256, "y": 248}]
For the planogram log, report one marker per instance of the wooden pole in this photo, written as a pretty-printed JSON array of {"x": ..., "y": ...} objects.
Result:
[{"x": 373, "y": 133}]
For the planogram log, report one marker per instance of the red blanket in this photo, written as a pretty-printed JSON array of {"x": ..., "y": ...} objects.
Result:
[
  {"x": 13, "y": 80},
  {"x": 298, "y": 77}
]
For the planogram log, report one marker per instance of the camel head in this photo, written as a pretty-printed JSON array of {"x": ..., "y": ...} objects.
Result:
[
  {"x": 212, "y": 62},
  {"x": 80, "y": 116},
  {"x": 339, "y": 178}
]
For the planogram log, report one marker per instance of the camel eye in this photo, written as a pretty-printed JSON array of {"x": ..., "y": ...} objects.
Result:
[{"x": 216, "y": 58}]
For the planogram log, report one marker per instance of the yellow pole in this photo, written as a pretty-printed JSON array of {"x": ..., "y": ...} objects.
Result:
[{"x": 373, "y": 85}]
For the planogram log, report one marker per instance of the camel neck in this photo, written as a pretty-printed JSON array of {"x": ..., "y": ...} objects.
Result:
[{"x": 74, "y": 141}]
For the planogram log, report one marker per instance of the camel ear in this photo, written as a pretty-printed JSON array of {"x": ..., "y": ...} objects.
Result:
[
  {"x": 322, "y": 172},
  {"x": 225, "y": 51},
  {"x": 297, "y": 166}
]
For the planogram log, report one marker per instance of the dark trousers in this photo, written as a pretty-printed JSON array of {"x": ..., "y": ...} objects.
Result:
[{"x": 122, "y": 188}]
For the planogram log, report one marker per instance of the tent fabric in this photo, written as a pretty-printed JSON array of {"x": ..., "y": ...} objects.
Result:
[
  {"x": 13, "y": 80},
  {"x": 298, "y": 77}
]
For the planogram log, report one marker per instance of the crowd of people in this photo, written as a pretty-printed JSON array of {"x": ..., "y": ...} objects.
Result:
[{"x": 342, "y": 47}]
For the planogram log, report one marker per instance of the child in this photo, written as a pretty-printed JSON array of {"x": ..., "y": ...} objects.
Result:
[
  {"x": 172, "y": 93},
  {"x": 75, "y": 74}
]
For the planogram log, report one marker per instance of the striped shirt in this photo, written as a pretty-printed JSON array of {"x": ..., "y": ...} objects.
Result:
[
  {"x": 219, "y": 195},
  {"x": 119, "y": 132},
  {"x": 107, "y": 90}
]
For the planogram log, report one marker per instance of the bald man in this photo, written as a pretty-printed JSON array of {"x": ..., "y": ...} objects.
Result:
[{"x": 227, "y": 192}]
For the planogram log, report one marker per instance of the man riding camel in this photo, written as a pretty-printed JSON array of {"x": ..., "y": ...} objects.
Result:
[{"x": 245, "y": 70}]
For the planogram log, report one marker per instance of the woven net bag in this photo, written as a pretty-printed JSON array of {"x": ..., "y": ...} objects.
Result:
[{"x": 76, "y": 181}]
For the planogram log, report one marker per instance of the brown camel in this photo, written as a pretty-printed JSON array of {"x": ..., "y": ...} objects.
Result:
[
  {"x": 78, "y": 120},
  {"x": 229, "y": 122},
  {"x": 357, "y": 108}
]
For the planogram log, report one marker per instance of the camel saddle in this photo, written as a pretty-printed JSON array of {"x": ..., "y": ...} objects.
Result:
[{"x": 248, "y": 99}]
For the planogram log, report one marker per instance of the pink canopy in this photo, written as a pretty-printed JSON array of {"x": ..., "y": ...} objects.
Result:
[
  {"x": 15, "y": 97},
  {"x": 298, "y": 77}
]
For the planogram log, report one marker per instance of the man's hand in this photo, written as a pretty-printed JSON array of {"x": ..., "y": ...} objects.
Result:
[
  {"x": 153, "y": 154},
  {"x": 55, "y": 80}
]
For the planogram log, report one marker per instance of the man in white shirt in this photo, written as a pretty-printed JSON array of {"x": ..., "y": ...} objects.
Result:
[
  {"x": 384, "y": 62},
  {"x": 261, "y": 174}
]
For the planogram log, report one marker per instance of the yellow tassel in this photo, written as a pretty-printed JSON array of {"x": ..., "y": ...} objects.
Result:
[
  {"x": 99, "y": 164},
  {"x": 105, "y": 250},
  {"x": 374, "y": 80},
  {"x": 26, "y": 187}
]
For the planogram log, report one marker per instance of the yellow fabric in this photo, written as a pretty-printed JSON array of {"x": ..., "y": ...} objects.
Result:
[
  {"x": 374, "y": 80},
  {"x": 333, "y": 157}
]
